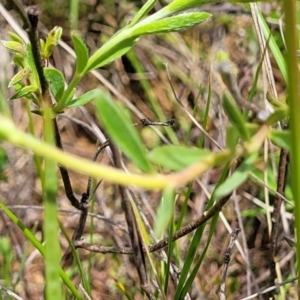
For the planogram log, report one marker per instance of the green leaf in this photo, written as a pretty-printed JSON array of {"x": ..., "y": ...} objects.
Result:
[
  {"x": 82, "y": 54},
  {"x": 235, "y": 116},
  {"x": 24, "y": 92},
  {"x": 31, "y": 97},
  {"x": 142, "y": 12},
  {"x": 232, "y": 137},
  {"x": 282, "y": 139},
  {"x": 70, "y": 97},
  {"x": 22, "y": 74},
  {"x": 277, "y": 53},
  {"x": 39, "y": 246},
  {"x": 121, "y": 131},
  {"x": 15, "y": 47},
  {"x": 176, "y": 157},
  {"x": 110, "y": 51},
  {"x": 239, "y": 176},
  {"x": 15, "y": 37},
  {"x": 3, "y": 164},
  {"x": 85, "y": 98},
  {"x": 174, "y": 23},
  {"x": 197, "y": 237},
  {"x": 193, "y": 273},
  {"x": 276, "y": 103},
  {"x": 30, "y": 63},
  {"x": 164, "y": 212},
  {"x": 272, "y": 181},
  {"x": 177, "y": 6},
  {"x": 278, "y": 115},
  {"x": 51, "y": 42},
  {"x": 56, "y": 81}
]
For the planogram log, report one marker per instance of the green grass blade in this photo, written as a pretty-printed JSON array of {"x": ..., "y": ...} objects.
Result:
[
  {"x": 165, "y": 212},
  {"x": 195, "y": 243},
  {"x": 194, "y": 272},
  {"x": 83, "y": 275},
  {"x": 277, "y": 53},
  {"x": 142, "y": 12},
  {"x": 235, "y": 116},
  {"x": 52, "y": 247},
  {"x": 188, "y": 261},
  {"x": 239, "y": 176},
  {"x": 170, "y": 249},
  {"x": 291, "y": 9},
  {"x": 184, "y": 206},
  {"x": 74, "y": 13},
  {"x": 30, "y": 237},
  {"x": 207, "y": 107}
]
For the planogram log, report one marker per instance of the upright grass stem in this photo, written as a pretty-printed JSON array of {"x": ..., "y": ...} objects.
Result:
[{"x": 291, "y": 10}]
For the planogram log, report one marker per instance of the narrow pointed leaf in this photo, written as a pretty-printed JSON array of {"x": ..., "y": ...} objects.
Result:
[
  {"x": 15, "y": 37},
  {"x": 174, "y": 23},
  {"x": 142, "y": 12},
  {"x": 235, "y": 116},
  {"x": 82, "y": 54},
  {"x": 84, "y": 99},
  {"x": 177, "y": 6},
  {"x": 110, "y": 52},
  {"x": 281, "y": 138},
  {"x": 51, "y": 41},
  {"x": 239, "y": 176},
  {"x": 121, "y": 131},
  {"x": 22, "y": 74},
  {"x": 24, "y": 92},
  {"x": 15, "y": 47},
  {"x": 165, "y": 212},
  {"x": 176, "y": 157}
]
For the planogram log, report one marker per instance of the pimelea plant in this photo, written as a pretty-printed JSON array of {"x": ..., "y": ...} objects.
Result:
[{"x": 47, "y": 88}]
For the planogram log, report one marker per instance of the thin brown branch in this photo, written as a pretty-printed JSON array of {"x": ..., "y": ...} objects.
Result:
[
  {"x": 102, "y": 249},
  {"x": 136, "y": 241},
  {"x": 146, "y": 122},
  {"x": 68, "y": 256},
  {"x": 98, "y": 151},
  {"x": 65, "y": 175},
  {"x": 188, "y": 228},
  {"x": 233, "y": 238},
  {"x": 193, "y": 225}
]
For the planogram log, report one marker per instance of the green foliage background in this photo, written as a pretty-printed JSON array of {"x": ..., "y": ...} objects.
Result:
[{"x": 235, "y": 106}]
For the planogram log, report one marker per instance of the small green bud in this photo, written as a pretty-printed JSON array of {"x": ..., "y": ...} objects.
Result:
[
  {"x": 15, "y": 37},
  {"x": 21, "y": 75},
  {"x": 15, "y": 47},
  {"x": 51, "y": 41}
]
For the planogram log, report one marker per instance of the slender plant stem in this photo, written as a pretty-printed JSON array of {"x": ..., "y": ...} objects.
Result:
[
  {"x": 290, "y": 9},
  {"x": 9, "y": 132}
]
